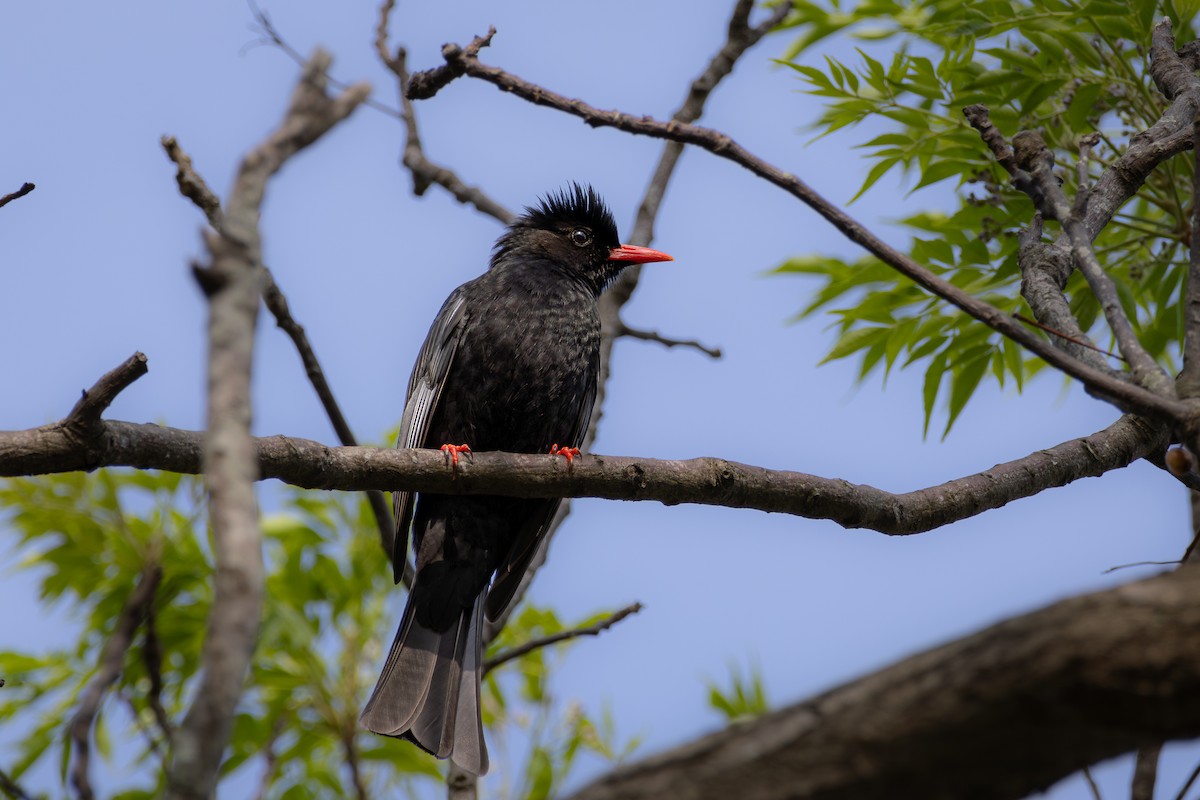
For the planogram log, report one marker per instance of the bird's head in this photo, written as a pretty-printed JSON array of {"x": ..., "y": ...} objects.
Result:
[{"x": 574, "y": 230}]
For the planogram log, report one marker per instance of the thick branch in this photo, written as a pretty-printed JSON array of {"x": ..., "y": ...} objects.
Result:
[
  {"x": 598, "y": 628},
  {"x": 1003, "y": 713},
  {"x": 1119, "y": 392},
  {"x": 233, "y": 282},
  {"x": 112, "y": 662},
  {"x": 1035, "y": 158},
  {"x": 707, "y": 481}
]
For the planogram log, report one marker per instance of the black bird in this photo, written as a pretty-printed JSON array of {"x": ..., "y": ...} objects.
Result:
[{"x": 510, "y": 364}]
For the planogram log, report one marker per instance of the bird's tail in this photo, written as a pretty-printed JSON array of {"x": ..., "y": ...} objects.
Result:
[{"x": 428, "y": 691}]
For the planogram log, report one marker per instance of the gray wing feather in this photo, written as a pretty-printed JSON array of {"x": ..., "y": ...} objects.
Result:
[{"x": 424, "y": 390}]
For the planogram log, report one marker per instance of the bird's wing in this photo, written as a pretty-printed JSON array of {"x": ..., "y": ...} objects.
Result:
[
  {"x": 529, "y": 539},
  {"x": 424, "y": 389}
]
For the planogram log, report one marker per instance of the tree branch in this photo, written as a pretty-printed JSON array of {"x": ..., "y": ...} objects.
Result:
[
  {"x": 654, "y": 336},
  {"x": 112, "y": 662},
  {"x": 739, "y": 38},
  {"x": 25, "y": 189},
  {"x": 1034, "y": 157},
  {"x": 194, "y": 187},
  {"x": 1003, "y": 713},
  {"x": 709, "y": 481},
  {"x": 233, "y": 281},
  {"x": 1125, "y": 395},
  {"x": 424, "y": 172},
  {"x": 11, "y": 788},
  {"x": 1145, "y": 772},
  {"x": 500, "y": 659}
]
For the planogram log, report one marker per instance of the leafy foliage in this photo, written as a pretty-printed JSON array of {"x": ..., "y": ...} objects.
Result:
[
  {"x": 746, "y": 698},
  {"x": 330, "y": 609},
  {"x": 1064, "y": 67}
]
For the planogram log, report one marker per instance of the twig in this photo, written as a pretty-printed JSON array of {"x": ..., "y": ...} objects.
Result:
[
  {"x": 424, "y": 172},
  {"x": 1142, "y": 564},
  {"x": 272, "y": 36},
  {"x": 12, "y": 788},
  {"x": 233, "y": 281},
  {"x": 25, "y": 189},
  {"x": 95, "y": 401},
  {"x": 277, "y": 303},
  {"x": 652, "y": 336},
  {"x": 1071, "y": 339},
  {"x": 545, "y": 641},
  {"x": 424, "y": 85},
  {"x": 1091, "y": 782},
  {"x": 1145, "y": 772},
  {"x": 352, "y": 763},
  {"x": 152, "y": 658},
  {"x": 112, "y": 661},
  {"x": 191, "y": 184},
  {"x": 1188, "y": 783},
  {"x": 1117, "y": 391}
]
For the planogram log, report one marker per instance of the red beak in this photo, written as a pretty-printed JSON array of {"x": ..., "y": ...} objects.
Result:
[{"x": 637, "y": 255}]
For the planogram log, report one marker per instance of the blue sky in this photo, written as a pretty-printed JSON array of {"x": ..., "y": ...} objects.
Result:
[{"x": 95, "y": 264}]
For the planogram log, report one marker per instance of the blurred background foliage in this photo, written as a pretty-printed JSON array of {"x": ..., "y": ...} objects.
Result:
[{"x": 330, "y": 609}]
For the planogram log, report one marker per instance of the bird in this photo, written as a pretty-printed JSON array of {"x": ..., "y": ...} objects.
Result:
[{"x": 511, "y": 363}]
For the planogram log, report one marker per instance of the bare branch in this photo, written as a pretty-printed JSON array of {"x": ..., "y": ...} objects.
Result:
[
  {"x": 1188, "y": 783},
  {"x": 424, "y": 85},
  {"x": 194, "y": 187},
  {"x": 424, "y": 172},
  {"x": 112, "y": 662},
  {"x": 95, "y": 401},
  {"x": 1067, "y": 337},
  {"x": 272, "y": 36},
  {"x": 653, "y": 336},
  {"x": 12, "y": 788},
  {"x": 1145, "y": 772},
  {"x": 1091, "y": 782},
  {"x": 25, "y": 189},
  {"x": 191, "y": 184},
  {"x": 1123, "y": 394},
  {"x": 596, "y": 629},
  {"x": 1034, "y": 157},
  {"x": 233, "y": 281},
  {"x": 709, "y": 481},
  {"x": 152, "y": 658},
  {"x": 1074, "y": 683}
]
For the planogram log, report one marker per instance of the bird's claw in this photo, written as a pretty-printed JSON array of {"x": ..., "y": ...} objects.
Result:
[
  {"x": 568, "y": 453},
  {"x": 453, "y": 450}
]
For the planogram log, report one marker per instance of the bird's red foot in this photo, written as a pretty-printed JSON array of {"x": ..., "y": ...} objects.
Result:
[
  {"x": 568, "y": 453},
  {"x": 453, "y": 450}
]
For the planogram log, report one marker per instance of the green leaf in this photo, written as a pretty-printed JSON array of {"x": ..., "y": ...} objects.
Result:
[{"x": 966, "y": 376}]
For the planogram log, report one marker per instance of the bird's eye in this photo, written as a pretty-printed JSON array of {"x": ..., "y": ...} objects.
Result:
[{"x": 581, "y": 237}]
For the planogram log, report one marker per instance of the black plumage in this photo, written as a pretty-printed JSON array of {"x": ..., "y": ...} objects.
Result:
[{"x": 510, "y": 364}]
